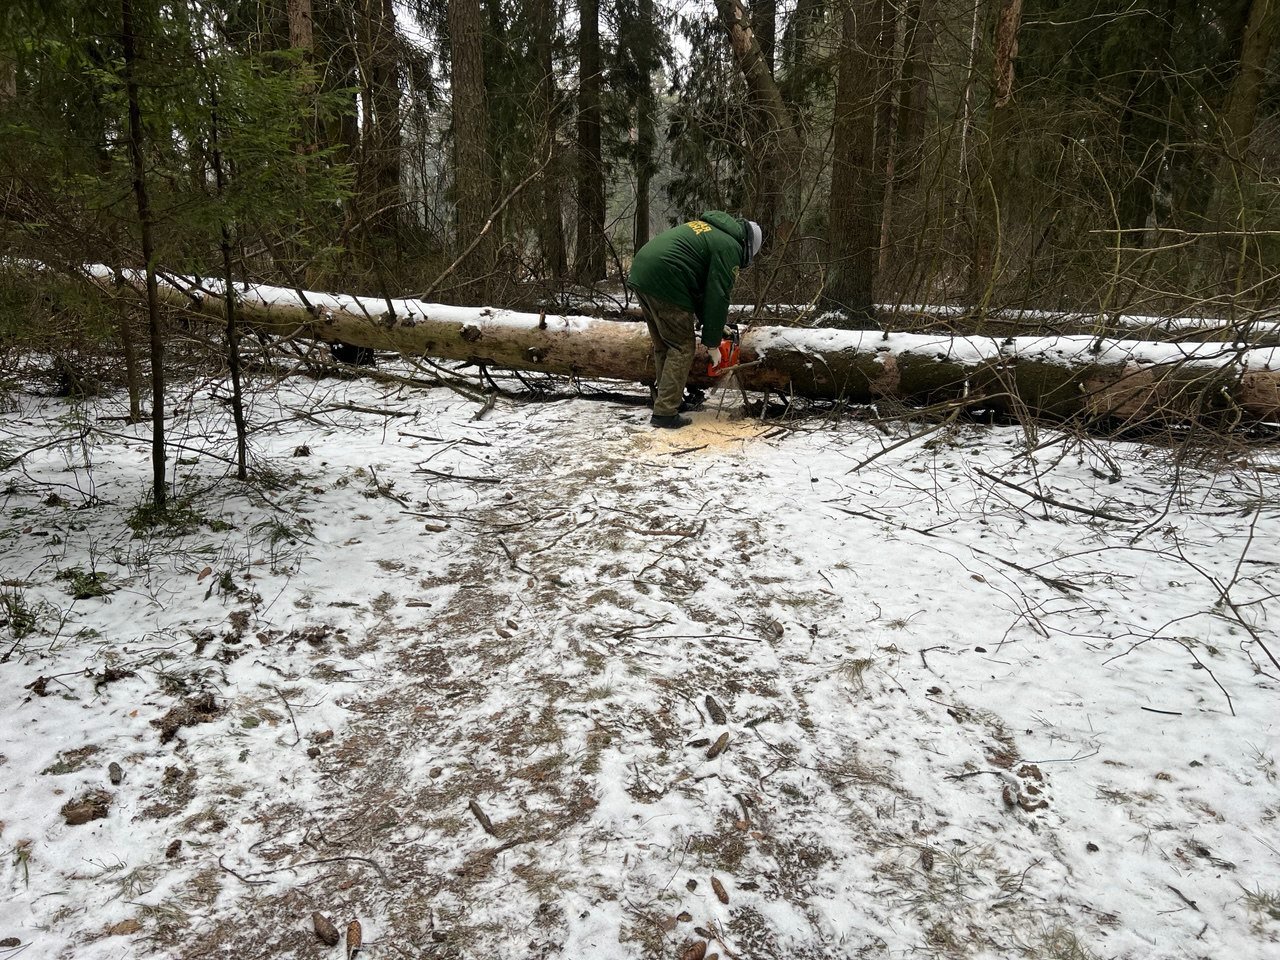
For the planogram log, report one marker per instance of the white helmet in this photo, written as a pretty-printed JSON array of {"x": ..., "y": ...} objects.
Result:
[{"x": 754, "y": 239}]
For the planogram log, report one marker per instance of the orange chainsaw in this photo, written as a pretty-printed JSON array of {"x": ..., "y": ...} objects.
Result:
[{"x": 727, "y": 354}]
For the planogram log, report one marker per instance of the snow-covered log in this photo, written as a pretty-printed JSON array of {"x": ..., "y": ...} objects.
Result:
[{"x": 1057, "y": 377}]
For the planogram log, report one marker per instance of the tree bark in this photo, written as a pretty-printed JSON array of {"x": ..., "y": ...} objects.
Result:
[
  {"x": 301, "y": 34},
  {"x": 646, "y": 110},
  {"x": 796, "y": 48},
  {"x": 989, "y": 190},
  {"x": 589, "y": 255},
  {"x": 892, "y": 55},
  {"x": 380, "y": 129},
  {"x": 918, "y": 33},
  {"x": 551, "y": 222},
  {"x": 128, "y": 38},
  {"x": 853, "y": 221},
  {"x": 471, "y": 155},
  {"x": 338, "y": 49},
  {"x": 8, "y": 78},
  {"x": 777, "y": 146},
  {"x": 229, "y": 296},
  {"x": 1241, "y": 109},
  {"x": 766, "y": 178},
  {"x": 1008, "y": 24},
  {"x": 1115, "y": 381},
  {"x": 764, "y": 24}
]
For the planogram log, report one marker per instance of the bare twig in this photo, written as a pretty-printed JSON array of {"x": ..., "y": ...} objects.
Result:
[
  {"x": 1191, "y": 651},
  {"x": 457, "y": 476},
  {"x": 484, "y": 231},
  {"x": 297, "y": 737},
  {"x": 1053, "y": 501}
]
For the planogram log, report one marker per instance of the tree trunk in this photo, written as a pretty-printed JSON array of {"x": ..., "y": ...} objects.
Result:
[
  {"x": 853, "y": 222},
  {"x": 1242, "y": 104},
  {"x": 646, "y": 109},
  {"x": 379, "y": 66},
  {"x": 471, "y": 156},
  {"x": 229, "y": 295},
  {"x": 918, "y": 33},
  {"x": 8, "y": 78},
  {"x": 892, "y": 54},
  {"x": 551, "y": 222},
  {"x": 1144, "y": 124},
  {"x": 128, "y": 38},
  {"x": 990, "y": 187},
  {"x": 796, "y": 48},
  {"x": 301, "y": 35},
  {"x": 1241, "y": 109},
  {"x": 764, "y": 24},
  {"x": 1061, "y": 377},
  {"x": 1007, "y": 27},
  {"x": 132, "y": 375},
  {"x": 777, "y": 147},
  {"x": 964, "y": 178},
  {"x": 765, "y": 177},
  {"x": 589, "y": 255},
  {"x": 338, "y": 49}
]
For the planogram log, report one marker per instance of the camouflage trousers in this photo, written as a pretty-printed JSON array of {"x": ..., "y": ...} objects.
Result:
[{"x": 671, "y": 329}]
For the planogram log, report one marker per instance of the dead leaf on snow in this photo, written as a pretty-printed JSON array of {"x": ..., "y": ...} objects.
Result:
[
  {"x": 90, "y": 806},
  {"x": 717, "y": 748},
  {"x": 202, "y": 708}
]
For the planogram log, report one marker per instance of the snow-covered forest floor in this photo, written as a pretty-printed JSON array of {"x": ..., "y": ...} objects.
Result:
[{"x": 552, "y": 684}]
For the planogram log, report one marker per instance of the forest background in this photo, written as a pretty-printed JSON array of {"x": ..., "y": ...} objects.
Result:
[
  {"x": 1075, "y": 159},
  {"x": 1079, "y": 156}
]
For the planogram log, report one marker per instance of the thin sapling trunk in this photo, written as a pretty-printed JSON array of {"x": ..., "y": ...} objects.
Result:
[
  {"x": 129, "y": 44},
  {"x": 233, "y": 333}
]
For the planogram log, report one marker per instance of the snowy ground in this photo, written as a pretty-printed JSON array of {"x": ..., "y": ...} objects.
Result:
[{"x": 450, "y": 678}]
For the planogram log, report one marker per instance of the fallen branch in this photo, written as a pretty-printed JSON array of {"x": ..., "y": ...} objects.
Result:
[
  {"x": 457, "y": 476},
  {"x": 1053, "y": 501}
]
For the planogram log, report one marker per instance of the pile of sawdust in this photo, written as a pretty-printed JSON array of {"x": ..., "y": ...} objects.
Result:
[{"x": 708, "y": 431}]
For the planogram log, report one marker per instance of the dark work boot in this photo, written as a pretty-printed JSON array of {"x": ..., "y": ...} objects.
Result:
[{"x": 673, "y": 422}]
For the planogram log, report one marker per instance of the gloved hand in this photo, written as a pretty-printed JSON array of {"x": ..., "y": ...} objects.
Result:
[{"x": 723, "y": 357}]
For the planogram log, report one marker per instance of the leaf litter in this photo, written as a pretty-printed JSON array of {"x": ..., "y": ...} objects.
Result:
[{"x": 645, "y": 695}]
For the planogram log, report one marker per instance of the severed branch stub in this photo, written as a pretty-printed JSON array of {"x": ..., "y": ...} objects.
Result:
[{"x": 482, "y": 818}]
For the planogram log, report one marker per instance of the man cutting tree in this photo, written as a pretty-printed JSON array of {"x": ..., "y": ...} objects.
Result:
[{"x": 682, "y": 277}]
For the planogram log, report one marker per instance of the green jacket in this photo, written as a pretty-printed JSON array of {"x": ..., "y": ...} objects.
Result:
[{"x": 694, "y": 266}]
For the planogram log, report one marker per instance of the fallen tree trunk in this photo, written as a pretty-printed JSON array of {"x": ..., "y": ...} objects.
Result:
[{"x": 1066, "y": 377}]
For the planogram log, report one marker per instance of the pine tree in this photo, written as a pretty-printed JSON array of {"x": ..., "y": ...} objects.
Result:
[{"x": 589, "y": 258}]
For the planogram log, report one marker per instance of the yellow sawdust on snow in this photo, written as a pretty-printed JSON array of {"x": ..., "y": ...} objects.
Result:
[{"x": 707, "y": 433}]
